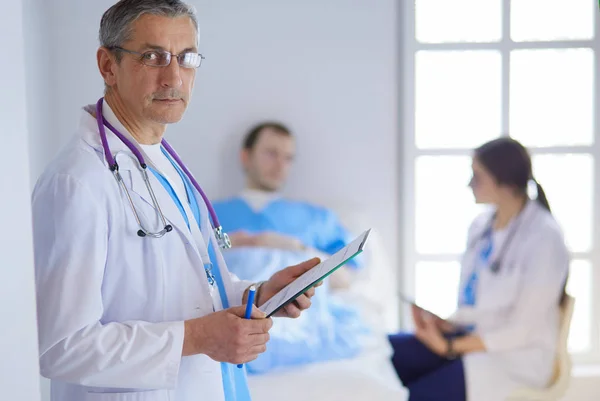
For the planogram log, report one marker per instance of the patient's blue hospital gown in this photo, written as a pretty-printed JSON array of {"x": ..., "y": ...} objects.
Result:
[
  {"x": 329, "y": 329},
  {"x": 316, "y": 227}
]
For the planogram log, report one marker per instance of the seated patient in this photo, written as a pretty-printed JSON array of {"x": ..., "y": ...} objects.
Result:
[
  {"x": 268, "y": 231},
  {"x": 513, "y": 275}
]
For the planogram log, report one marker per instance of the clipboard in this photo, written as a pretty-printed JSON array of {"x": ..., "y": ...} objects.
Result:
[
  {"x": 459, "y": 328},
  {"x": 301, "y": 284}
]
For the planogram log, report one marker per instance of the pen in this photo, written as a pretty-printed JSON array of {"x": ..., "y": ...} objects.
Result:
[{"x": 249, "y": 303}]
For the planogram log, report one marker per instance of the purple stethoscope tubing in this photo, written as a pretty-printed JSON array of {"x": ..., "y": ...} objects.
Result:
[{"x": 222, "y": 238}]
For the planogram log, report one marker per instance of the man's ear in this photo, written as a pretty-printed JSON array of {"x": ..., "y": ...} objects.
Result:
[
  {"x": 106, "y": 65},
  {"x": 245, "y": 158}
]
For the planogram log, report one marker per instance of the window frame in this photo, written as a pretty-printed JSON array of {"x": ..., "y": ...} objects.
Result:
[{"x": 409, "y": 152}]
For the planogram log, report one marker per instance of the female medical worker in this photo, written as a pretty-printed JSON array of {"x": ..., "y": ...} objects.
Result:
[
  {"x": 512, "y": 282},
  {"x": 134, "y": 300}
]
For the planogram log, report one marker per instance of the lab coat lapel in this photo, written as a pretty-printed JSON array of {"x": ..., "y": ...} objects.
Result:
[
  {"x": 206, "y": 237},
  {"x": 219, "y": 263},
  {"x": 205, "y": 230},
  {"x": 131, "y": 173}
]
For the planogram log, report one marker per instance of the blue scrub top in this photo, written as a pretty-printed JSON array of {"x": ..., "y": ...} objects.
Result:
[
  {"x": 316, "y": 227},
  {"x": 235, "y": 384},
  {"x": 469, "y": 296}
]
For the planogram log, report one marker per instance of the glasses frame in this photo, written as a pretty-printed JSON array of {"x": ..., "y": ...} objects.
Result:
[{"x": 169, "y": 56}]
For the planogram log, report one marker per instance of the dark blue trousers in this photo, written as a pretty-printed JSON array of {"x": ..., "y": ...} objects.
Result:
[{"x": 427, "y": 376}]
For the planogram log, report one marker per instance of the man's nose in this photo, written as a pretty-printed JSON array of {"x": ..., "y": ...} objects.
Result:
[{"x": 171, "y": 74}]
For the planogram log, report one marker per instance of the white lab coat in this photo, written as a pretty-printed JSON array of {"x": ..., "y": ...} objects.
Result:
[
  {"x": 517, "y": 309},
  {"x": 111, "y": 305}
]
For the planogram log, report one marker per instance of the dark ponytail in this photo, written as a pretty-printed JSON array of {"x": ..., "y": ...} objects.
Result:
[
  {"x": 541, "y": 196},
  {"x": 542, "y": 200}
]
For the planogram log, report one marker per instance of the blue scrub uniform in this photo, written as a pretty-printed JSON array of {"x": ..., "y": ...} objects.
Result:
[
  {"x": 330, "y": 329},
  {"x": 235, "y": 386},
  {"x": 428, "y": 376},
  {"x": 316, "y": 227}
]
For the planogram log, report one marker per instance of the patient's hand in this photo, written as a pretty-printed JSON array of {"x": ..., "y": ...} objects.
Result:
[
  {"x": 241, "y": 238},
  {"x": 266, "y": 240},
  {"x": 279, "y": 241}
]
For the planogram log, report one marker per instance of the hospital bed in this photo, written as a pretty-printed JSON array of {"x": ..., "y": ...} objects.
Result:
[{"x": 369, "y": 376}]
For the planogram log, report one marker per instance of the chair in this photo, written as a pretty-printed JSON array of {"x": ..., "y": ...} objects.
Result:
[{"x": 562, "y": 365}]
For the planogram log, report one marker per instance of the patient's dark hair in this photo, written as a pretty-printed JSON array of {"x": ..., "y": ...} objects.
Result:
[
  {"x": 510, "y": 164},
  {"x": 254, "y": 133}
]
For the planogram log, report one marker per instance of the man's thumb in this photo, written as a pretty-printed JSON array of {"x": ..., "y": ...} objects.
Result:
[
  {"x": 305, "y": 266},
  {"x": 240, "y": 311}
]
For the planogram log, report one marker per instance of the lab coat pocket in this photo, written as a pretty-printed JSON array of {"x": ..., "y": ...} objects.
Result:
[
  {"x": 500, "y": 288},
  {"x": 150, "y": 395}
]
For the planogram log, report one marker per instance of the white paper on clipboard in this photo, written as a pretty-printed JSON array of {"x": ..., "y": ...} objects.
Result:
[{"x": 314, "y": 275}]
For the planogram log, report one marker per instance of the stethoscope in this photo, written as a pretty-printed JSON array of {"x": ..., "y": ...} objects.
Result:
[
  {"x": 222, "y": 237},
  {"x": 496, "y": 264}
]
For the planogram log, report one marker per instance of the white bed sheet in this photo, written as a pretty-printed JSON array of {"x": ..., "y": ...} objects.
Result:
[
  {"x": 368, "y": 377},
  {"x": 371, "y": 375}
]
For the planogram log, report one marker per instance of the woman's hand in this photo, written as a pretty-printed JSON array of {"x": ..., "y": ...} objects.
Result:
[
  {"x": 443, "y": 325},
  {"x": 430, "y": 329},
  {"x": 428, "y": 332}
]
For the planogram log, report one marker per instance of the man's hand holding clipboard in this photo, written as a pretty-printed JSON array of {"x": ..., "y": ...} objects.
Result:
[{"x": 289, "y": 290}]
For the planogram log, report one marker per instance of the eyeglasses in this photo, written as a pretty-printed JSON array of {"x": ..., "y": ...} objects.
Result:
[{"x": 162, "y": 58}]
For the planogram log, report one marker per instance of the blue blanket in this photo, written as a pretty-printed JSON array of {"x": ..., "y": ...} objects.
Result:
[{"x": 328, "y": 330}]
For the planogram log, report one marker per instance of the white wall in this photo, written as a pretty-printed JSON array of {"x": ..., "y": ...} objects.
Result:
[
  {"x": 328, "y": 69},
  {"x": 62, "y": 39},
  {"x": 18, "y": 333},
  {"x": 40, "y": 61}
]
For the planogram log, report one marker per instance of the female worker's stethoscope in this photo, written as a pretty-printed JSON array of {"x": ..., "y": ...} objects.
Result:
[
  {"x": 496, "y": 264},
  {"x": 222, "y": 238}
]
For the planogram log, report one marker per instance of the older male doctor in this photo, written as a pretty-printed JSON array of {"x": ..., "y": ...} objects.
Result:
[{"x": 134, "y": 299}]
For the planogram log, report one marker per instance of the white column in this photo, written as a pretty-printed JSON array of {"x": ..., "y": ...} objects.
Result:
[{"x": 19, "y": 369}]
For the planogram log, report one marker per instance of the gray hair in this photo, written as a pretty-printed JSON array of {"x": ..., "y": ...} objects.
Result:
[{"x": 116, "y": 23}]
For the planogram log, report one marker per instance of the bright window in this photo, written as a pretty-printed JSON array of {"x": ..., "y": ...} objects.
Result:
[{"x": 477, "y": 69}]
